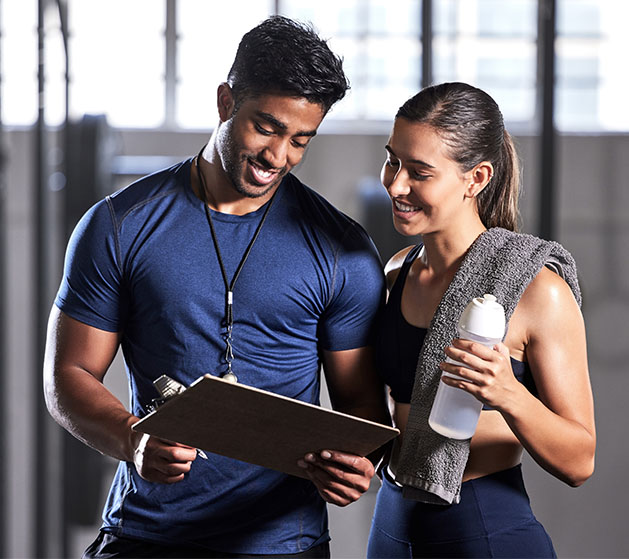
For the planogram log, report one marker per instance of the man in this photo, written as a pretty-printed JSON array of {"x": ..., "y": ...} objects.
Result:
[{"x": 223, "y": 264}]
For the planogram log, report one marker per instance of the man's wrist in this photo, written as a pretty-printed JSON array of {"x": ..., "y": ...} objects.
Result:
[{"x": 133, "y": 438}]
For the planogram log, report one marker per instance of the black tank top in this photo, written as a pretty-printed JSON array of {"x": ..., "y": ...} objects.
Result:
[{"x": 398, "y": 343}]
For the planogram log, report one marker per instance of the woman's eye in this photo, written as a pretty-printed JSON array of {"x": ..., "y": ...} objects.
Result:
[{"x": 420, "y": 177}]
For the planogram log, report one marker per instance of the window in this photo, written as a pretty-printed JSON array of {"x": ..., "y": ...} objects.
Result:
[
  {"x": 592, "y": 46},
  {"x": 379, "y": 42},
  {"x": 208, "y": 34},
  {"x": 124, "y": 63},
  {"x": 18, "y": 61},
  {"x": 117, "y": 60},
  {"x": 490, "y": 44}
]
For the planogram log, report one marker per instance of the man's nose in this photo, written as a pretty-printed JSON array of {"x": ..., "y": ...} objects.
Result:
[{"x": 276, "y": 153}]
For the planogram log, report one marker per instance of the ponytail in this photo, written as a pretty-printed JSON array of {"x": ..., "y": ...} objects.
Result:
[{"x": 498, "y": 201}]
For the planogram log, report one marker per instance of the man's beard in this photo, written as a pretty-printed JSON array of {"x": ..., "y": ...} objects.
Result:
[{"x": 235, "y": 165}]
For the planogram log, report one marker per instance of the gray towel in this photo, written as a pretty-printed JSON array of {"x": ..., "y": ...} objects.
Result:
[{"x": 499, "y": 262}]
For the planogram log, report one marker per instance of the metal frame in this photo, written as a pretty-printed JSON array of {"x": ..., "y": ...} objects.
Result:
[
  {"x": 3, "y": 321},
  {"x": 41, "y": 480},
  {"x": 49, "y": 527},
  {"x": 170, "y": 74},
  {"x": 426, "y": 41},
  {"x": 547, "y": 22}
]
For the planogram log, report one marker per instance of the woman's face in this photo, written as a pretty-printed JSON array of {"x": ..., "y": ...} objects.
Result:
[{"x": 428, "y": 190}]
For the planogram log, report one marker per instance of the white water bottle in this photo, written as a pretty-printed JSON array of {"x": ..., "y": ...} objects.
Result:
[{"x": 455, "y": 412}]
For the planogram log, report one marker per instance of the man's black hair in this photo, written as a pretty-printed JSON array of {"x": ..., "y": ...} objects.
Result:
[{"x": 287, "y": 57}]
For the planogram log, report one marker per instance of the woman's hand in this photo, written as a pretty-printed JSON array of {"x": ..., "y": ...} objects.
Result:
[{"x": 489, "y": 377}]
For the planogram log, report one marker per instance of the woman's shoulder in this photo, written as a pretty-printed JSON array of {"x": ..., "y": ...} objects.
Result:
[
  {"x": 394, "y": 265},
  {"x": 548, "y": 287},
  {"x": 549, "y": 300}
]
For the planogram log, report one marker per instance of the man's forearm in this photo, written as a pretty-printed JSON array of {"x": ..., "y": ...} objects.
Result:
[{"x": 89, "y": 411}]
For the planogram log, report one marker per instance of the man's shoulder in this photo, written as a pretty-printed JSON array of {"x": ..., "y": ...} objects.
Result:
[
  {"x": 150, "y": 188},
  {"x": 319, "y": 212},
  {"x": 309, "y": 196}
]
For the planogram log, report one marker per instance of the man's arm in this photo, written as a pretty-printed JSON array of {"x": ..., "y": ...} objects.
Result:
[
  {"x": 355, "y": 389},
  {"x": 354, "y": 385},
  {"x": 76, "y": 361}
]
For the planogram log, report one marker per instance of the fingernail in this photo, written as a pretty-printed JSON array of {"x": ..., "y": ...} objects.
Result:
[
  {"x": 302, "y": 464},
  {"x": 310, "y": 457},
  {"x": 326, "y": 455}
]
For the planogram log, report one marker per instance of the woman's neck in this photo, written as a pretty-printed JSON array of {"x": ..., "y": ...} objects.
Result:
[{"x": 444, "y": 250}]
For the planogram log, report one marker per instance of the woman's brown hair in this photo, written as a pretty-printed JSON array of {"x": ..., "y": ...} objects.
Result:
[{"x": 471, "y": 125}]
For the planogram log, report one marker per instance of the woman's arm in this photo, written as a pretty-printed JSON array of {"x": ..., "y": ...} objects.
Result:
[{"x": 557, "y": 429}]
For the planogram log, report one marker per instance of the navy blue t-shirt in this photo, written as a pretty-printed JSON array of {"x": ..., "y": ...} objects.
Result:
[{"x": 142, "y": 262}]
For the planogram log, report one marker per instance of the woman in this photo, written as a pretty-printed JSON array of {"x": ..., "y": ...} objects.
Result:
[{"x": 452, "y": 175}]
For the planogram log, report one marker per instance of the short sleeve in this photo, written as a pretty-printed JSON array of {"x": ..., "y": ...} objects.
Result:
[
  {"x": 359, "y": 293},
  {"x": 90, "y": 289}
]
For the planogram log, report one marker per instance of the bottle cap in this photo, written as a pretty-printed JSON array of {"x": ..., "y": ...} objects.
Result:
[{"x": 484, "y": 316}]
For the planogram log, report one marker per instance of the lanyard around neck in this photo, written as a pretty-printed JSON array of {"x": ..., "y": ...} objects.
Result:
[{"x": 229, "y": 286}]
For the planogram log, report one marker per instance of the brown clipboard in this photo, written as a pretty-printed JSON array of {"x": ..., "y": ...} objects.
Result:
[{"x": 259, "y": 427}]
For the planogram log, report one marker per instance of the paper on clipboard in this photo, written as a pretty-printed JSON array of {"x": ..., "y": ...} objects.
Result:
[{"x": 259, "y": 427}]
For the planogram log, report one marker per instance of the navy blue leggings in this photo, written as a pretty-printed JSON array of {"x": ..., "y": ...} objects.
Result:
[{"x": 493, "y": 519}]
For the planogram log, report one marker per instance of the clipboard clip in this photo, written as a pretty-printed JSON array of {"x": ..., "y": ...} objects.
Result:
[{"x": 169, "y": 388}]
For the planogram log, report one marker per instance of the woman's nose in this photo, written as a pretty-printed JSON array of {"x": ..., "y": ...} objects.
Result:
[{"x": 397, "y": 183}]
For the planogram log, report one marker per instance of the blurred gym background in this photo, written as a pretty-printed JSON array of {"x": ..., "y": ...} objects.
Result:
[{"x": 95, "y": 93}]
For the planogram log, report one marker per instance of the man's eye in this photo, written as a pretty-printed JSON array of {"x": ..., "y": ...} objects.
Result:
[
  {"x": 300, "y": 145},
  {"x": 262, "y": 130}
]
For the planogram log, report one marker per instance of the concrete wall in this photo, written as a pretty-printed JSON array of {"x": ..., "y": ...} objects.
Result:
[{"x": 594, "y": 226}]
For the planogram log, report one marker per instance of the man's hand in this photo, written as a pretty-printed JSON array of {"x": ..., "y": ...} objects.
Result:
[
  {"x": 162, "y": 461},
  {"x": 340, "y": 478}
]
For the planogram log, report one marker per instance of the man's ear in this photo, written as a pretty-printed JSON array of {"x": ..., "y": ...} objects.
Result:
[
  {"x": 479, "y": 178},
  {"x": 225, "y": 101}
]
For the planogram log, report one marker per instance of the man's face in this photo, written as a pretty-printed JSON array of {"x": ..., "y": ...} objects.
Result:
[{"x": 264, "y": 139}]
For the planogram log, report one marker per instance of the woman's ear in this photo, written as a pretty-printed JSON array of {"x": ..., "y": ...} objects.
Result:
[
  {"x": 479, "y": 178},
  {"x": 225, "y": 101}
]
